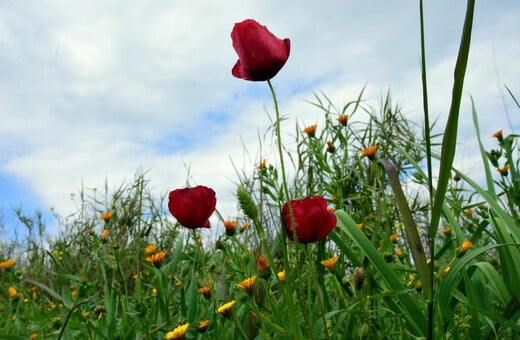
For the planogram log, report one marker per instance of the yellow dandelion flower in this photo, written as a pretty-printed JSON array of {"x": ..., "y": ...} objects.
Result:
[
  {"x": 310, "y": 130},
  {"x": 156, "y": 259},
  {"x": 225, "y": 309},
  {"x": 248, "y": 283},
  {"x": 281, "y": 276},
  {"x": 399, "y": 252},
  {"x": 7, "y": 264},
  {"x": 360, "y": 226},
  {"x": 106, "y": 216},
  {"x": 369, "y": 152},
  {"x": 104, "y": 233},
  {"x": 465, "y": 246},
  {"x": 34, "y": 336},
  {"x": 150, "y": 249},
  {"x": 330, "y": 263},
  {"x": 342, "y": 119},
  {"x": 468, "y": 212},
  {"x": 178, "y": 332},
  {"x": 393, "y": 237}
]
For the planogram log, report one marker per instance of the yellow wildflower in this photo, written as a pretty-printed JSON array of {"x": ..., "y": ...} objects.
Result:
[
  {"x": 393, "y": 237},
  {"x": 248, "y": 283},
  {"x": 12, "y": 292},
  {"x": 447, "y": 231},
  {"x": 150, "y": 249},
  {"x": 330, "y": 263},
  {"x": 399, "y": 252},
  {"x": 465, "y": 246},
  {"x": 104, "y": 233},
  {"x": 281, "y": 276},
  {"x": 178, "y": 332},
  {"x": 262, "y": 165},
  {"x": 7, "y": 264},
  {"x": 225, "y": 309}
]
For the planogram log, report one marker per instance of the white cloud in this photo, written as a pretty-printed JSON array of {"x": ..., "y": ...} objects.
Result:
[{"x": 95, "y": 90}]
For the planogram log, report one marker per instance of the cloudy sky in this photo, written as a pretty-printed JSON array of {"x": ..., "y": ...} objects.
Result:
[{"x": 94, "y": 90}]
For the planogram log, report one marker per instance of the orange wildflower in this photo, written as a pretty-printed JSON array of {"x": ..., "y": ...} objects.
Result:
[
  {"x": 393, "y": 237},
  {"x": 230, "y": 227},
  {"x": 369, "y": 152},
  {"x": 310, "y": 130},
  {"x": 330, "y": 147},
  {"x": 399, "y": 252},
  {"x": 330, "y": 263},
  {"x": 106, "y": 216},
  {"x": 104, "y": 233},
  {"x": 203, "y": 326},
  {"x": 497, "y": 134},
  {"x": 342, "y": 119},
  {"x": 156, "y": 259},
  {"x": 262, "y": 263},
  {"x": 205, "y": 291}
]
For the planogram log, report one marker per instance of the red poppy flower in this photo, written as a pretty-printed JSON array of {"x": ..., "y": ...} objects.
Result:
[
  {"x": 260, "y": 53},
  {"x": 192, "y": 207},
  {"x": 312, "y": 219}
]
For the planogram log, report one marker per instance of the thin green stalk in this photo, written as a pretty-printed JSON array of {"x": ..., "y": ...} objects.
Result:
[
  {"x": 427, "y": 137},
  {"x": 288, "y": 270}
]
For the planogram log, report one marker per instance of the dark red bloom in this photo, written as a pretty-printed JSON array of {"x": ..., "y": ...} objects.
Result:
[
  {"x": 312, "y": 219},
  {"x": 260, "y": 53},
  {"x": 192, "y": 207}
]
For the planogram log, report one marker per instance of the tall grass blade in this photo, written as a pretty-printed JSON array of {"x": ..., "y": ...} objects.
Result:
[{"x": 450, "y": 133}]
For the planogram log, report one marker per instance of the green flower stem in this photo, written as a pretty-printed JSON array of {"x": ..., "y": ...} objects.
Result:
[{"x": 288, "y": 291}]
